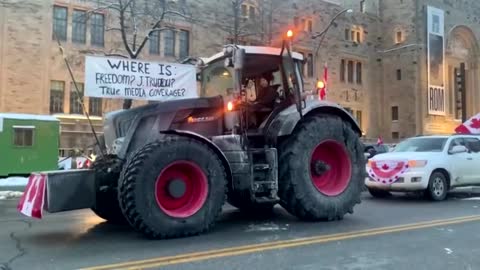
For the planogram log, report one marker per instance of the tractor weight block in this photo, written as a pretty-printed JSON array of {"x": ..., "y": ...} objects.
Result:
[{"x": 69, "y": 190}]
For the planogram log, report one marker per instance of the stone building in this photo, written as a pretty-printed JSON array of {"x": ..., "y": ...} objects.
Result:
[{"x": 376, "y": 56}]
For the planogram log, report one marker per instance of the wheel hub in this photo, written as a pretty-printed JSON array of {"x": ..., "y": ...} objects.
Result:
[
  {"x": 319, "y": 167},
  {"x": 177, "y": 188}
]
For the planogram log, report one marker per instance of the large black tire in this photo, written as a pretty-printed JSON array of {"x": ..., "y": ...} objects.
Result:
[
  {"x": 107, "y": 172},
  {"x": 298, "y": 194},
  {"x": 138, "y": 185},
  {"x": 437, "y": 187},
  {"x": 378, "y": 193}
]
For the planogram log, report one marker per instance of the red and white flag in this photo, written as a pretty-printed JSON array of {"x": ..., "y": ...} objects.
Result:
[
  {"x": 32, "y": 201},
  {"x": 471, "y": 126},
  {"x": 323, "y": 91},
  {"x": 379, "y": 141}
]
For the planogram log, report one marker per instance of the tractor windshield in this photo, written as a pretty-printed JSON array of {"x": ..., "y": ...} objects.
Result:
[{"x": 218, "y": 79}]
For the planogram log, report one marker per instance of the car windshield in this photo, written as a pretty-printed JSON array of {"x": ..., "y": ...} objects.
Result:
[{"x": 421, "y": 145}]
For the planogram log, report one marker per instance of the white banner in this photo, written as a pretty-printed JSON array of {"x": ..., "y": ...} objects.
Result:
[
  {"x": 135, "y": 79},
  {"x": 436, "y": 61}
]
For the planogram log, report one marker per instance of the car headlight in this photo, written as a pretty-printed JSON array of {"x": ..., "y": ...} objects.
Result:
[{"x": 417, "y": 163}]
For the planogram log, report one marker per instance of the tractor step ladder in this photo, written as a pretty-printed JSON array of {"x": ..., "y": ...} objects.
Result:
[{"x": 264, "y": 174}]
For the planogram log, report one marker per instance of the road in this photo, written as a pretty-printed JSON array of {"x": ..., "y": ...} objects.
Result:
[{"x": 402, "y": 232}]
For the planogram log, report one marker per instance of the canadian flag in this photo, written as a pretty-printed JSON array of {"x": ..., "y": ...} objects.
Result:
[
  {"x": 32, "y": 201},
  {"x": 323, "y": 93},
  {"x": 379, "y": 141},
  {"x": 471, "y": 126}
]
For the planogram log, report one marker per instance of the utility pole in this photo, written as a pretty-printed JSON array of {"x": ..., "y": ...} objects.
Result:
[{"x": 235, "y": 4}]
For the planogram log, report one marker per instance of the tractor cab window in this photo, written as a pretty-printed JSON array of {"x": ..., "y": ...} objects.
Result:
[{"x": 217, "y": 80}]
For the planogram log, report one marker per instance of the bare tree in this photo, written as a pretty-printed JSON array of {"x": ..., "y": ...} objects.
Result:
[{"x": 135, "y": 21}]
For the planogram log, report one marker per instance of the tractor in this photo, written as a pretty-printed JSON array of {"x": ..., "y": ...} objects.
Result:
[{"x": 252, "y": 138}]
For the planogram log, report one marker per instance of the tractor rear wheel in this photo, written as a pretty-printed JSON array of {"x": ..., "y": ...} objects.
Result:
[
  {"x": 107, "y": 171},
  {"x": 173, "y": 187},
  {"x": 321, "y": 169}
]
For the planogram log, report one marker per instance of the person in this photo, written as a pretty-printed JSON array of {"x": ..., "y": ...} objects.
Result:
[{"x": 266, "y": 94}]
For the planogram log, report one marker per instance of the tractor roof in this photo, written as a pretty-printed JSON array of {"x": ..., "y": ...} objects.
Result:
[{"x": 255, "y": 50}]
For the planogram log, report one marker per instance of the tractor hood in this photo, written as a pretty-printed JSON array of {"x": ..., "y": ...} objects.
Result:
[{"x": 158, "y": 115}]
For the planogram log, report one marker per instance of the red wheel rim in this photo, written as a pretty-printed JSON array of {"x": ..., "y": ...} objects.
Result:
[
  {"x": 193, "y": 189},
  {"x": 330, "y": 168}
]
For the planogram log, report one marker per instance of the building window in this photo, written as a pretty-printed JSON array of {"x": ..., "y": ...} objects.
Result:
[
  {"x": 244, "y": 10},
  {"x": 342, "y": 70},
  {"x": 79, "y": 26},
  {"x": 95, "y": 106},
  {"x": 359, "y": 118},
  {"x": 358, "y": 72},
  {"x": 154, "y": 42},
  {"x": 251, "y": 12},
  {"x": 60, "y": 17},
  {"x": 358, "y": 39},
  {"x": 399, "y": 74},
  {"x": 310, "y": 65},
  {"x": 184, "y": 43},
  {"x": 394, "y": 113},
  {"x": 350, "y": 71},
  {"x": 347, "y": 34},
  {"x": 399, "y": 37},
  {"x": 23, "y": 136},
  {"x": 76, "y": 99},
  {"x": 169, "y": 40},
  {"x": 97, "y": 29},
  {"x": 395, "y": 135},
  {"x": 309, "y": 26},
  {"x": 362, "y": 6},
  {"x": 57, "y": 93}
]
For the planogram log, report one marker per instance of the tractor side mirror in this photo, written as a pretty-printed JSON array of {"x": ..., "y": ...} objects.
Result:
[{"x": 238, "y": 59}]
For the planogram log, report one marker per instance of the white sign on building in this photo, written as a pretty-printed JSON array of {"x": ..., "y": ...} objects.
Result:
[
  {"x": 436, "y": 61},
  {"x": 108, "y": 77}
]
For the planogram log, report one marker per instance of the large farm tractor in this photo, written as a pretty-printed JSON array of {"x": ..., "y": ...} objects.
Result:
[{"x": 252, "y": 139}]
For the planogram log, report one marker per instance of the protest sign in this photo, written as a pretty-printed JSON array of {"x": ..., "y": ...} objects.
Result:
[{"x": 134, "y": 79}]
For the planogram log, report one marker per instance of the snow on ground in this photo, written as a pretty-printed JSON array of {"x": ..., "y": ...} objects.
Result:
[
  {"x": 13, "y": 181},
  {"x": 10, "y": 194}
]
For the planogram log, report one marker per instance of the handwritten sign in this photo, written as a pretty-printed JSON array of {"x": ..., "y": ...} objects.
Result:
[{"x": 133, "y": 79}]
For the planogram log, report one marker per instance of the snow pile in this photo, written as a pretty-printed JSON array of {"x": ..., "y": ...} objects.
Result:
[
  {"x": 270, "y": 226},
  {"x": 13, "y": 182},
  {"x": 10, "y": 194}
]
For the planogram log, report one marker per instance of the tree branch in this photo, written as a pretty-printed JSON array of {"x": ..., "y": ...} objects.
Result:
[{"x": 123, "y": 33}]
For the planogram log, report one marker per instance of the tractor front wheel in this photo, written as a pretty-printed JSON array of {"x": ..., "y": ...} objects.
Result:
[
  {"x": 321, "y": 169},
  {"x": 107, "y": 171},
  {"x": 173, "y": 187}
]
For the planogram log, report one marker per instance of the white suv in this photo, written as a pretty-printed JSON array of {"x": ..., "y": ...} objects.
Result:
[{"x": 432, "y": 164}]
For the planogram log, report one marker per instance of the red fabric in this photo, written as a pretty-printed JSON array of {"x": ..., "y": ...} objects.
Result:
[
  {"x": 32, "y": 201},
  {"x": 471, "y": 126},
  {"x": 379, "y": 141}
]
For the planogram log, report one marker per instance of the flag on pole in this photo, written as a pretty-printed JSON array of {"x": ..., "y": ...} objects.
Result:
[
  {"x": 323, "y": 91},
  {"x": 379, "y": 141}
]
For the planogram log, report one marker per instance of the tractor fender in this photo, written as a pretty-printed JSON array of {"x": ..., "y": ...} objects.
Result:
[
  {"x": 208, "y": 142},
  {"x": 285, "y": 122}
]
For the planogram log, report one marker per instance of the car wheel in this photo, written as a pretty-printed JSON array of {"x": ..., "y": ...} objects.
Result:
[{"x": 437, "y": 187}]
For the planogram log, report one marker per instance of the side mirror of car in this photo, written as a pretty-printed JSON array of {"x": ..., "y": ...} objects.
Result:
[{"x": 457, "y": 149}]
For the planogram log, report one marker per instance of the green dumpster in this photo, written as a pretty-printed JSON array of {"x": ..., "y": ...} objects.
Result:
[{"x": 28, "y": 143}]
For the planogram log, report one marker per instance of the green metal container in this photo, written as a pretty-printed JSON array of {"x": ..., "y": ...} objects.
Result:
[{"x": 28, "y": 143}]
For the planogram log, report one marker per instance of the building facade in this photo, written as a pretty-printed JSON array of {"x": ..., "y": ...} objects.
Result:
[{"x": 378, "y": 60}]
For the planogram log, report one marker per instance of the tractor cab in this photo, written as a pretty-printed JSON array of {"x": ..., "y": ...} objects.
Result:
[{"x": 266, "y": 80}]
